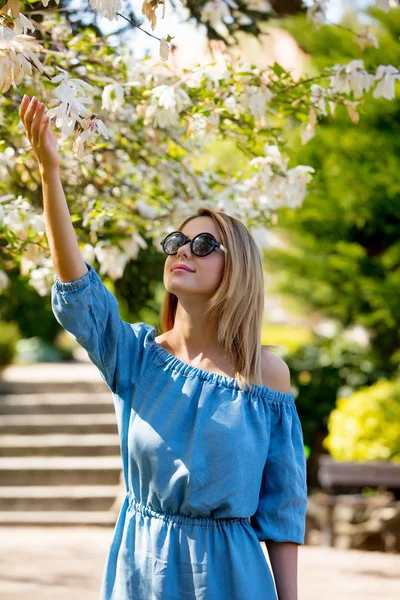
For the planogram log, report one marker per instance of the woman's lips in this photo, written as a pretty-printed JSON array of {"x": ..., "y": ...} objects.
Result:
[{"x": 182, "y": 269}]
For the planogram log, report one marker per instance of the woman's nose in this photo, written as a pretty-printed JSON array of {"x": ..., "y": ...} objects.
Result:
[{"x": 185, "y": 249}]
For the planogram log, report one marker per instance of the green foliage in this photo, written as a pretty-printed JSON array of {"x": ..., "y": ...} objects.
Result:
[
  {"x": 286, "y": 337},
  {"x": 9, "y": 336},
  {"x": 136, "y": 291},
  {"x": 322, "y": 370},
  {"x": 331, "y": 44},
  {"x": 366, "y": 426},
  {"x": 22, "y": 304},
  {"x": 343, "y": 254}
]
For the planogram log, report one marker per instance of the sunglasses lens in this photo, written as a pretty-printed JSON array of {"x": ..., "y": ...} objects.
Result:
[
  {"x": 173, "y": 242},
  {"x": 203, "y": 244}
]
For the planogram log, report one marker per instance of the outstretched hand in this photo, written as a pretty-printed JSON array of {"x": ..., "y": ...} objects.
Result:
[{"x": 40, "y": 135}]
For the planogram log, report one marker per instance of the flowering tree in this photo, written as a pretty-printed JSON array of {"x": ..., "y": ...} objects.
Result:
[{"x": 130, "y": 175}]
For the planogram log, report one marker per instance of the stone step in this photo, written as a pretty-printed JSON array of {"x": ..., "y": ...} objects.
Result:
[
  {"x": 72, "y": 376},
  {"x": 60, "y": 470},
  {"x": 60, "y": 444},
  {"x": 60, "y": 403},
  {"x": 58, "y": 498},
  {"x": 52, "y": 387},
  {"x": 58, "y": 518},
  {"x": 66, "y": 423}
]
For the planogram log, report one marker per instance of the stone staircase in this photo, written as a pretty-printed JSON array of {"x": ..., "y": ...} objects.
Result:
[{"x": 60, "y": 460}]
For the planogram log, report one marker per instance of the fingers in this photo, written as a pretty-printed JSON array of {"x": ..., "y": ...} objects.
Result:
[
  {"x": 36, "y": 124},
  {"x": 23, "y": 106},
  {"x": 28, "y": 116},
  {"x": 31, "y": 112}
]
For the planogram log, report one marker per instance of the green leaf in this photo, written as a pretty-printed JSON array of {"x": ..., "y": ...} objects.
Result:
[{"x": 277, "y": 69}]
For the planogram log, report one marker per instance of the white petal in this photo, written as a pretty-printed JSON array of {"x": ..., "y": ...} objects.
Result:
[{"x": 164, "y": 49}]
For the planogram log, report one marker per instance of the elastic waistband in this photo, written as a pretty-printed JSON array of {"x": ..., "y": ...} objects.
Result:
[{"x": 144, "y": 509}]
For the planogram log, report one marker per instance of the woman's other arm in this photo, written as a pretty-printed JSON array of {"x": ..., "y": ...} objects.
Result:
[{"x": 283, "y": 557}]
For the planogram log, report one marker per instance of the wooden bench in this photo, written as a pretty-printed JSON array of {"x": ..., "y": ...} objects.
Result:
[{"x": 337, "y": 476}]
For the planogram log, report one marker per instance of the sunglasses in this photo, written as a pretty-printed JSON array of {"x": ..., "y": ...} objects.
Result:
[{"x": 201, "y": 245}]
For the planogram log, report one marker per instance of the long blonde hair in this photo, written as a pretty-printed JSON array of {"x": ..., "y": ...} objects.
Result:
[{"x": 238, "y": 303}]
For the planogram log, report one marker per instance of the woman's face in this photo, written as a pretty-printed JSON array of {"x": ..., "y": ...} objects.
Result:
[{"x": 207, "y": 271}]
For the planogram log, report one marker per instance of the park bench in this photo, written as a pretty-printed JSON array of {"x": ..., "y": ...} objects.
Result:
[{"x": 350, "y": 477}]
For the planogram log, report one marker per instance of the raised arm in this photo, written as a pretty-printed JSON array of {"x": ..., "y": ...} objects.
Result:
[
  {"x": 81, "y": 303},
  {"x": 65, "y": 253}
]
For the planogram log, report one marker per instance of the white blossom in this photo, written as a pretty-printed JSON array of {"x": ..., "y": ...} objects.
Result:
[
  {"x": 202, "y": 126},
  {"x": 16, "y": 50},
  {"x": 352, "y": 110},
  {"x": 166, "y": 102},
  {"x": 351, "y": 78},
  {"x": 112, "y": 260},
  {"x": 133, "y": 244},
  {"x": 386, "y": 4},
  {"x": 46, "y": 2},
  {"x": 386, "y": 76},
  {"x": 22, "y": 24},
  {"x": 231, "y": 103},
  {"x": 256, "y": 99},
  {"x": 258, "y": 5},
  {"x": 359, "y": 334},
  {"x": 366, "y": 39},
  {"x": 71, "y": 108},
  {"x": 145, "y": 210},
  {"x": 38, "y": 223},
  {"x": 215, "y": 11},
  {"x": 107, "y": 8},
  {"x": 297, "y": 180},
  {"x": 19, "y": 215},
  {"x": 309, "y": 132},
  {"x": 112, "y": 104},
  {"x": 88, "y": 253},
  {"x": 4, "y": 280},
  {"x": 41, "y": 279},
  {"x": 164, "y": 49},
  {"x": 317, "y": 98},
  {"x": 71, "y": 113},
  {"x": 317, "y": 11}
]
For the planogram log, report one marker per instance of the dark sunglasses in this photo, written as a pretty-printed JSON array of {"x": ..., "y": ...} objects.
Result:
[{"x": 201, "y": 245}]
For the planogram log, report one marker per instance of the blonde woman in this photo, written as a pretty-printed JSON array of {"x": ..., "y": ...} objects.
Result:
[{"x": 211, "y": 442}]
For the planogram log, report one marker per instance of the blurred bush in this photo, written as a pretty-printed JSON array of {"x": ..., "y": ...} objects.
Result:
[
  {"x": 286, "y": 338},
  {"x": 9, "y": 336},
  {"x": 35, "y": 350},
  {"x": 366, "y": 425},
  {"x": 341, "y": 250},
  {"x": 20, "y": 303},
  {"x": 320, "y": 372}
]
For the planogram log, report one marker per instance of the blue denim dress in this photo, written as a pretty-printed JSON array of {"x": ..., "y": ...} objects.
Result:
[{"x": 199, "y": 457}]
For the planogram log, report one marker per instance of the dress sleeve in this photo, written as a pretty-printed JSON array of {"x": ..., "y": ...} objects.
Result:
[
  {"x": 282, "y": 508},
  {"x": 88, "y": 310}
]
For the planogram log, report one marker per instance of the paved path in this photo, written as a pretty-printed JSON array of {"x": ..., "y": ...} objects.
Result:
[{"x": 67, "y": 564}]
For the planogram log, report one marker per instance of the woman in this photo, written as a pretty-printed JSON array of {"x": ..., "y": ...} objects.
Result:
[{"x": 211, "y": 443}]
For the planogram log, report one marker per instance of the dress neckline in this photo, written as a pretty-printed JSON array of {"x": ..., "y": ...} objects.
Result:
[{"x": 187, "y": 370}]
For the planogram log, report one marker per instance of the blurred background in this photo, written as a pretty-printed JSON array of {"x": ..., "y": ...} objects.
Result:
[{"x": 332, "y": 281}]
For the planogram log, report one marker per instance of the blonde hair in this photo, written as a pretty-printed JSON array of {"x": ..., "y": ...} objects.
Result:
[{"x": 238, "y": 303}]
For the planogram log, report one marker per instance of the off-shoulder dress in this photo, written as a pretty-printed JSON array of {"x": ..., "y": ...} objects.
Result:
[{"x": 199, "y": 458}]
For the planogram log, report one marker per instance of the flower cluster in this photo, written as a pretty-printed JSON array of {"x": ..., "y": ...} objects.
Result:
[{"x": 156, "y": 121}]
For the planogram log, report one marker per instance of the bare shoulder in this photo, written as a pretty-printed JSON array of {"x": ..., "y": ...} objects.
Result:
[{"x": 275, "y": 372}]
